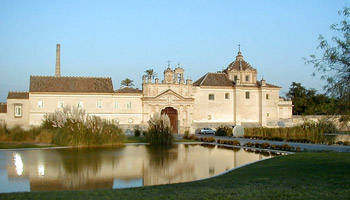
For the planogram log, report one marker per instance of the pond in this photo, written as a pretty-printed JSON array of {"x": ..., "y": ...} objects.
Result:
[{"x": 117, "y": 167}]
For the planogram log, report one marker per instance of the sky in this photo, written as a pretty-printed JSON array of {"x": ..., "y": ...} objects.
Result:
[{"x": 122, "y": 39}]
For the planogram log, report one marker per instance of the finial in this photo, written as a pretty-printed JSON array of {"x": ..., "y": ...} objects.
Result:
[
  {"x": 168, "y": 63},
  {"x": 239, "y": 47},
  {"x": 178, "y": 64}
]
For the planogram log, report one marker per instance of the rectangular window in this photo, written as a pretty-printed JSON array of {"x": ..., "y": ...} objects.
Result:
[
  {"x": 235, "y": 78},
  {"x": 80, "y": 104},
  {"x": 99, "y": 104},
  {"x": 40, "y": 104},
  {"x": 60, "y": 104},
  {"x": 227, "y": 95},
  {"x": 247, "y": 78},
  {"x": 211, "y": 97},
  {"x": 116, "y": 104},
  {"x": 18, "y": 111},
  {"x": 247, "y": 95},
  {"x": 267, "y": 96},
  {"x": 128, "y": 105}
]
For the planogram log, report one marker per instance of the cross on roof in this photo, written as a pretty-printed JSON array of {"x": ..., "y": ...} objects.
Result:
[{"x": 168, "y": 63}]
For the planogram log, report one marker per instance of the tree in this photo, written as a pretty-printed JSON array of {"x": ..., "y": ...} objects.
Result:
[
  {"x": 150, "y": 73},
  {"x": 308, "y": 102},
  {"x": 334, "y": 64},
  {"x": 127, "y": 83}
]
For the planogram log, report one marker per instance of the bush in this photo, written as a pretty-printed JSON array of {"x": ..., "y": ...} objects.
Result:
[
  {"x": 3, "y": 132},
  {"x": 72, "y": 127},
  {"x": 208, "y": 139},
  {"x": 307, "y": 132},
  {"x": 159, "y": 131},
  {"x": 45, "y": 136},
  {"x": 223, "y": 130},
  {"x": 265, "y": 145},
  {"x": 236, "y": 143},
  {"x": 346, "y": 143},
  {"x": 137, "y": 131},
  {"x": 186, "y": 135}
]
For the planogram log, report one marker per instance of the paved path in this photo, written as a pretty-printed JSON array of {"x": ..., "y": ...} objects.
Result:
[{"x": 310, "y": 147}]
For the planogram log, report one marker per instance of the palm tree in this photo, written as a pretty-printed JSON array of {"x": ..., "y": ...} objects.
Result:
[
  {"x": 150, "y": 73},
  {"x": 127, "y": 83}
]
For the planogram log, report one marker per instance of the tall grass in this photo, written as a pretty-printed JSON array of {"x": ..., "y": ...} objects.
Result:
[
  {"x": 74, "y": 128},
  {"x": 159, "y": 131},
  {"x": 71, "y": 126},
  {"x": 307, "y": 132},
  {"x": 223, "y": 130}
]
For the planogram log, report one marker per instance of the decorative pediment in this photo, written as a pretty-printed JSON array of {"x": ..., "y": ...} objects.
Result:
[{"x": 168, "y": 96}]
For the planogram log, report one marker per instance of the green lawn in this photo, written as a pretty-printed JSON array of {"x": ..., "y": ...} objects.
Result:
[{"x": 298, "y": 176}]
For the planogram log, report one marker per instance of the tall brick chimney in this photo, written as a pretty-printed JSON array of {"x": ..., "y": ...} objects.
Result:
[{"x": 58, "y": 61}]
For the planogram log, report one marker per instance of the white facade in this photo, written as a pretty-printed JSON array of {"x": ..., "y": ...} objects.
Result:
[{"x": 233, "y": 97}]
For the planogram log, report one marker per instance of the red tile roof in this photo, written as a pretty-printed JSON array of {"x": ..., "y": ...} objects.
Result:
[
  {"x": 128, "y": 90},
  {"x": 70, "y": 84},
  {"x": 18, "y": 95},
  {"x": 213, "y": 79}
]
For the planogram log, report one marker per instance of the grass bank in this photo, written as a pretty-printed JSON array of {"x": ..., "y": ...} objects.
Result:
[
  {"x": 22, "y": 146},
  {"x": 298, "y": 176}
]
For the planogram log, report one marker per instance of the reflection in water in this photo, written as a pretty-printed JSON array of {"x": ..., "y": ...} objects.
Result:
[
  {"x": 18, "y": 163},
  {"x": 41, "y": 170},
  {"x": 117, "y": 167}
]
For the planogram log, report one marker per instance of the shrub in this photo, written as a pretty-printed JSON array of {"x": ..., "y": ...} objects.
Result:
[
  {"x": 45, "y": 136},
  {"x": 265, "y": 145},
  {"x": 137, "y": 131},
  {"x": 73, "y": 127},
  {"x": 208, "y": 139},
  {"x": 307, "y": 132},
  {"x": 159, "y": 130},
  {"x": 249, "y": 144},
  {"x": 346, "y": 143},
  {"x": 223, "y": 130},
  {"x": 286, "y": 147},
  {"x": 144, "y": 133},
  {"x": 236, "y": 143},
  {"x": 3, "y": 132},
  {"x": 186, "y": 135}
]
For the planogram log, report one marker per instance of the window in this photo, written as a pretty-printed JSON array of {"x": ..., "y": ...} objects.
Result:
[
  {"x": 99, "y": 104},
  {"x": 128, "y": 105},
  {"x": 235, "y": 78},
  {"x": 80, "y": 104},
  {"x": 116, "y": 104},
  {"x": 18, "y": 111},
  {"x": 267, "y": 96},
  {"x": 247, "y": 78},
  {"x": 40, "y": 104},
  {"x": 227, "y": 95},
  {"x": 267, "y": 114},
  {"x": 60, "y": 104},
  {"x": 247, "y": 95},
  {"x": 211, "y": 97}
]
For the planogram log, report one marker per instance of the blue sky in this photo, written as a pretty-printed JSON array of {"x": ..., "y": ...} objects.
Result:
[{"x": 121, "y": 39}]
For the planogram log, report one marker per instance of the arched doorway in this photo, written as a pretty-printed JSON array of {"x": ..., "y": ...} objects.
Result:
[{"x": 172, "y": 113}]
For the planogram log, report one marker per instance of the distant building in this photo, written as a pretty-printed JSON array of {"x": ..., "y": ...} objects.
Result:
[{"x": 233, "y": 97}]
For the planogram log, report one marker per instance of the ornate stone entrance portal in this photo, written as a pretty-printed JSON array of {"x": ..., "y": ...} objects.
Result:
[{"x": 172, "y": 113}]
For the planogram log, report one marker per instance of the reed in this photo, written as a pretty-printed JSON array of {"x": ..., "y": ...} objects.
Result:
[
  {"x": 74, "y": 128},
  {"x": 307, "y": 132},
  {"x": 159, "y": 131}
]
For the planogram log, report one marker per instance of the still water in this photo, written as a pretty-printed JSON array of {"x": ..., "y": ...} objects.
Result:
[{"x": 117, "y": 167}]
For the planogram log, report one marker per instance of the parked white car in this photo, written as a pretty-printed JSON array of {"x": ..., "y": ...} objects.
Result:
[{"x": 207, "y": 131}]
